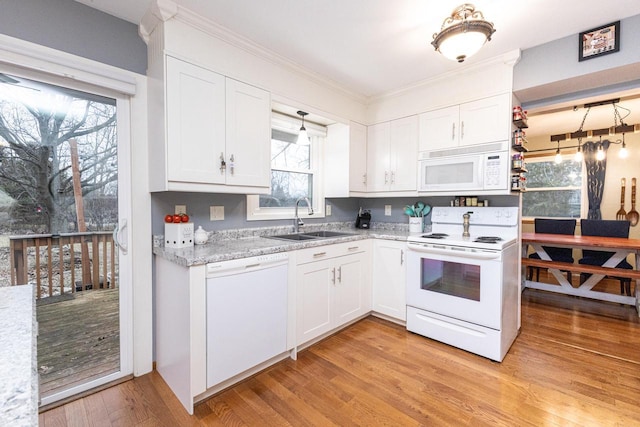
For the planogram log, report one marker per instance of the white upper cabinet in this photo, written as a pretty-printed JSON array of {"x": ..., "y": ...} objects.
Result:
[
  {"x": 248, "y": 127},
  {"x": 478, "y": 122},
  {"x": 392, "y": 152},
  {"x": 195, "y": 123},
  {"x": 216, "y": 135},
  {"x": 357, "y": 157}
]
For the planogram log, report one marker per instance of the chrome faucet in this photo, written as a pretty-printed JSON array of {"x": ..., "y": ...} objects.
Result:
[
  {"x": 297, "y": 222},
  {"x": 465, "y": 224}
]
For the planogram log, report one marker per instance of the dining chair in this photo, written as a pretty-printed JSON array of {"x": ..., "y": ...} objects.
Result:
[
  {"x": 604, "y": 228},
  {"x": 554, "y": 226}
]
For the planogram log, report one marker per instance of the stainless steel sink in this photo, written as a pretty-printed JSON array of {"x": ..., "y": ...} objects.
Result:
[
  {"x": 325, "y": 234},
  {"x": 294, "y": 237}
]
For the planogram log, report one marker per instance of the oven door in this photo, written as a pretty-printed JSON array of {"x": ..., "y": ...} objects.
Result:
[{"x": 460, "y": 283}]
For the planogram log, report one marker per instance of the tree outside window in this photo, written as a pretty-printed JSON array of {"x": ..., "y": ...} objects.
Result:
[{"x": 553, "y": 189}]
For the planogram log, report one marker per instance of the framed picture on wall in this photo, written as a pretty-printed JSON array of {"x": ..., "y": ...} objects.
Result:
[{"x": 599, "y": 41}]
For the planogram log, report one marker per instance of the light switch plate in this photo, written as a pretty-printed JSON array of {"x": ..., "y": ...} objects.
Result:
[
  {"x": 327, "y": 210},
  {"x": 387, "y": 210},
  {"x": 216, "y": 213},
  {"x": 180, "y": 209}
]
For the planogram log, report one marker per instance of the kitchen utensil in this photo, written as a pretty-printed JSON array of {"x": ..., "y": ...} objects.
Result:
[
  {"x": 426, "y": 210},
  {"x": 633, "y": 214},
  {"x": 409, "y": 210},
  {"x": 622, "y": 214},
  {"x": 418, "y": 208}
]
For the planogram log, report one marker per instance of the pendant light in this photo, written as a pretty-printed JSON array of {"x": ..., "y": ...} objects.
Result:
[
  {"x": 578, "y": 157},
  {"x": 303, "y": 136},
  {"x": 558, "y": 158},
  {"x": 600, "y": 151},
  {"x": 463, "y": 33},
  {"x": 623, "y": 153}
]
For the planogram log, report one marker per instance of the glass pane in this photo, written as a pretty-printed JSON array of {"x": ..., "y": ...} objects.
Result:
[
  {"x": 451, "y": 278},
  {"x": 551, "y": 174},
  {"x": 286, "y": 188},
  {"x": 287, "y": 155},
  {"x": 441, "y": 174},
  {"x": 555, "y": 203},
  {"x": 58, "y": 188}
]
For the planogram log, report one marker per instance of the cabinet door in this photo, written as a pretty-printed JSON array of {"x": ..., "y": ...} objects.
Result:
[
  {"x": 378, "y": 157},
  {"x": 248, "y": 135},
  {"x": 404, "y": 154},
  {"x": 357, "y": 157},
  {"x": 195, "y": 123},
  {"x": 439, "y": 129},
  {"x": 389, "y": 275},
  {"x": 485, "y": 120},
  {"x": 349, "y": 299},
  {"x": 313, "y": 309}
]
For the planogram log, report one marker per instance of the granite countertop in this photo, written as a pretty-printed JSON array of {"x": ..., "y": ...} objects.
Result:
[
  {"x": 18, "y": 374},
  {"x": 243, "y": 243}
]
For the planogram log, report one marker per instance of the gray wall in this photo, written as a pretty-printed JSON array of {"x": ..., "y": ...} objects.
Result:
[
  {"x": 72, "y": 27},
  {"x": 235, "y": 208},
  {"x": 557, "y": 61}
]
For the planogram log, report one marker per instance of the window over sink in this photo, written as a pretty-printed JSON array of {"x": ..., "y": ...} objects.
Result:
[{"x": 295, "y": 171}]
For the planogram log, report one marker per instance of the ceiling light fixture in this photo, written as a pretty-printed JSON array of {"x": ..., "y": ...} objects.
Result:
[
  {"x": 600, "y": 151},
  {"x": 463, "y": 33},
  {"x": 623, "y": 153},
  {"x": 558, "y": 158},
  {"x": 303, "y": 136},
  {"x": 578, "y": 156}
]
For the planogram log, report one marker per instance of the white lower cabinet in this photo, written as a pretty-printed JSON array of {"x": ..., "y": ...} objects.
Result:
[
  {"x": 333, "y": 287},
  {"x": 389, "y": 274}
]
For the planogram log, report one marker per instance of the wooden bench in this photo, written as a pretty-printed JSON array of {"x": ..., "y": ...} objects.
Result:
[{"x": 582, "y": 268}]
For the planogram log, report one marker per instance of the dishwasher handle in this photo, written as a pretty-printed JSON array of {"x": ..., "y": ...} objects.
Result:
[{"x": 242, "y": 265}]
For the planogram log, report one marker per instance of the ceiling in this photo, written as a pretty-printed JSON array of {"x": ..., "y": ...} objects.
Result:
[{"x": 372, "y": 47}]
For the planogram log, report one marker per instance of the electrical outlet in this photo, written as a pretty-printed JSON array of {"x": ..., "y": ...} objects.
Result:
[
  {"x": 216, "y": 213},
  {"x": 180, "y": 209},
  {"x": 387, "y": 210},
  {"x": 327, "y": 210}
]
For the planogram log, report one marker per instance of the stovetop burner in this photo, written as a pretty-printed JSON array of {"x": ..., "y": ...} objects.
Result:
[
  {"x": 435, "y": 236},
  {"x": 488, "y": 239}
]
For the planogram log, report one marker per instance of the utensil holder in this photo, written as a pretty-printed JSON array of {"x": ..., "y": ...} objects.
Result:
[{"x": 415, "y": 224}]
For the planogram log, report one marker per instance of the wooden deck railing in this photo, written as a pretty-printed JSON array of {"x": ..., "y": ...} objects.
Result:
[{"x": 51, "y": 262}]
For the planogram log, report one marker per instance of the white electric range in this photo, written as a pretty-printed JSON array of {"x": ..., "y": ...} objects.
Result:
[{"x": 464, "y": 290}]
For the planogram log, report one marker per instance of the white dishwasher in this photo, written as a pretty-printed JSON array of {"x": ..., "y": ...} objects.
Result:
[{"x": 246, "y": 314}]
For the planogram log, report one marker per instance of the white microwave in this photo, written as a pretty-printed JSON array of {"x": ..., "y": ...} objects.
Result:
[{"x": 475, "y": 172}]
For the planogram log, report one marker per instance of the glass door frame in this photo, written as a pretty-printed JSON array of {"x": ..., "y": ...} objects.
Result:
[{"x": 125, "y": 271}]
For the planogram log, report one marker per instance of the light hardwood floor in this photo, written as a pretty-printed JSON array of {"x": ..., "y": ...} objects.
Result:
[{"x": 576, "y": 362}]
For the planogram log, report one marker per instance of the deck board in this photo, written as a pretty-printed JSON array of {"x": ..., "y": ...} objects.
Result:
[{"x": 79, "y": 338}]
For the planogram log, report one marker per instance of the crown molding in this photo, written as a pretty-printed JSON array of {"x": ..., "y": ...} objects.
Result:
[
  {"x": 510, "y": 58},
  {"x": 163, "y": 10}
]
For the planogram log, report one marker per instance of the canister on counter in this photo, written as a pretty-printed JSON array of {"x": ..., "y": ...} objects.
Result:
[{"x": 474, "y": 201}]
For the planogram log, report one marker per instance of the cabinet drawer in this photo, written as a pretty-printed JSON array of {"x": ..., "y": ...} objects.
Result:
[{"x": 330, "y": 251}]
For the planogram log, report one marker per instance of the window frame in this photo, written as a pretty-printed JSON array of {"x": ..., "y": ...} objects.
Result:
[
  {"x": 317, "y": 135},
  {"x": 584, "y": 202}
]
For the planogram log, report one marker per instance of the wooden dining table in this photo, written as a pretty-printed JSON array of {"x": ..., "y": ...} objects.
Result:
[{"x": 620, "y": 247}]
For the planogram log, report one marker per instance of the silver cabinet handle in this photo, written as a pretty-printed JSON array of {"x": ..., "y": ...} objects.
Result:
[
  {"x": 364, "y": 178},
  {"x": 317, "y": 254},
  {"x": 231, "y": 164},
  {"x": 386, "y": 177},
  {"x": 462, "y": 130},
  {"x": 453, "y": 131},
  {"x": 401, "y": 256},
  {"x": 339, "y": 274},
  {"x": 393, "y": 177},
  {"x": 333, "y": 278},
  {"x": 353, "y": 248},
  {"x": 223, "y": 164}
]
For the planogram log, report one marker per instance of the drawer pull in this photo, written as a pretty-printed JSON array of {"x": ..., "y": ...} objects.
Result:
[
  {"x": 319, "y": 254},
  {"x": 353, "y": 248}
]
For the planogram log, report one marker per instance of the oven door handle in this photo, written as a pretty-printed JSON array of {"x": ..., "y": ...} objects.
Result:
[{"x": 461, "y": 253}]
